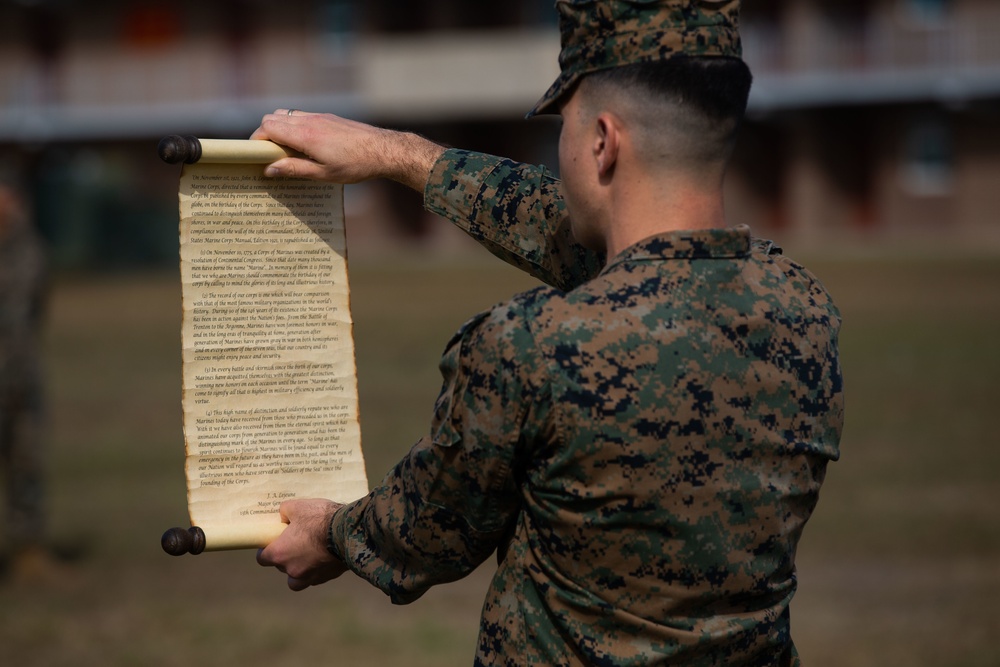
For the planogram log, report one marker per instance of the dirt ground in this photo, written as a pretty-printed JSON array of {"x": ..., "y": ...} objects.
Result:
[{"x": 900, "y": 565}]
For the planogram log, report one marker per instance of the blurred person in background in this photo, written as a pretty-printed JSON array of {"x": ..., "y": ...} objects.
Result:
[
  {"x": 22, "y": 410},
  {"x": 642, "y": 440}
]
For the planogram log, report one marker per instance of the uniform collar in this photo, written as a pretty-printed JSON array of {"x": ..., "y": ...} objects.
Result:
[{"x": 730, "y": 243}]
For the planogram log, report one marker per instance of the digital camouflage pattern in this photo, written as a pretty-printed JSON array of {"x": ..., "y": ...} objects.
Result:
[
  {"x": 642, "y": 448},
  {"x": 598, "y": 35},
  {"x": 492, "y": 200},
  {"x": 22, "y": 284}
]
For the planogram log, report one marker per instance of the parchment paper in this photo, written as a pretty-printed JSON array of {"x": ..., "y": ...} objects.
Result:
[{"x": 269, "y": 382}]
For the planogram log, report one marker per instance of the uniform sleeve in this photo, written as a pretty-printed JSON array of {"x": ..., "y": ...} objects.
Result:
[
  {"x": 448, "y": 504},
  {"x": 515, "y": 210}
]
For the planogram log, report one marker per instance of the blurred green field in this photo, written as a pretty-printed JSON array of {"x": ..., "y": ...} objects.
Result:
[{"x": 900, "y": 566}]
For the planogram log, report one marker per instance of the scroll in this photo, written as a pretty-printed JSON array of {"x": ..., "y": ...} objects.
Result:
[{"x": 269, "y": 379}]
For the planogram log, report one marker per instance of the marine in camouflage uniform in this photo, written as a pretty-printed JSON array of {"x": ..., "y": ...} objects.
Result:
[
  {"x": 641, "y": 441},
  {"x": 22, "y": 281},
  {"x": 644, "y": 447}
]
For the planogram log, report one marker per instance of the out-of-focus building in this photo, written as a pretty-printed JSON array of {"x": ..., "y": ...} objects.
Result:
[{"x": 871, "y": 120}]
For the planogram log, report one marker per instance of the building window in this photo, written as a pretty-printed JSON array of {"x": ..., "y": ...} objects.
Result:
[
  {"x": 926, "y": 11},
  {"x": 928, "y": 168},
  {"x": 338, "y": 25},
  {"x": 541, "y": 13}
]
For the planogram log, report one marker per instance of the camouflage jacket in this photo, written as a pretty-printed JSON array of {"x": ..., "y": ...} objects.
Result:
[
  {"x": 642, "y": 448},
  {"x": 22, "y": 295}
]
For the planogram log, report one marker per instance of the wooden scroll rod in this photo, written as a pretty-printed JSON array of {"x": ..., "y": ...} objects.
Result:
[{"x": 175, "y": 149}]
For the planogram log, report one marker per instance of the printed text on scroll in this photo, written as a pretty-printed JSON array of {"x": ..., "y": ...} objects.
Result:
[{"x": 270, "y": 390}]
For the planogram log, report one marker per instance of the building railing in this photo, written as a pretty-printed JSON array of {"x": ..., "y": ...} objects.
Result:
[
  {"x": 91, "y": 79},
  {"x": 874, "y": 46}
]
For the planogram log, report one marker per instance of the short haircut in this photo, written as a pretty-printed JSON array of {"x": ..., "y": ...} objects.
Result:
[{"x": 686, "y": 107}]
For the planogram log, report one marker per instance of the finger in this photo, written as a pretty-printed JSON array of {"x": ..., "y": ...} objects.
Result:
[
  {"x": 294, "y": 167},
  {"x": 298, "y": 584},
  {"x": 274, "y": 124},
  {"x": 289, "y": 115},
  {"x": 265, "y": 559},
  {"x": 286, "y": 510}
]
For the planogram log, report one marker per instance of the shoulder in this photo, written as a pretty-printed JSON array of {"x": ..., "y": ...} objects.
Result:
[
  {"x": 491, "y": 366},
  {"x": 508, "y": 324},
  {"x": 788, "y": 279}
]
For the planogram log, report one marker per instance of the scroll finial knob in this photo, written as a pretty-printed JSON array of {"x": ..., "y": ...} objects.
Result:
[
  {"x": 178, "y": 541},
  {"x": 175, "y": 149}
]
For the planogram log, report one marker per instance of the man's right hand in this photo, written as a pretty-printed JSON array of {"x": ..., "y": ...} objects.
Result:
[
  {"x": 300, "y": 551},
  {"x": 346, "y": 151}
]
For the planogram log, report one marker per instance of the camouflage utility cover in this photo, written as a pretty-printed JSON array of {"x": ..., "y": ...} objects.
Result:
[
  {"x": 642, "y": 448},
  {"x": 601, "y": 35}
]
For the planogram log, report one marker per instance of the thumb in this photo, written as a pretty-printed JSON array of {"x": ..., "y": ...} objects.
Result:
[{"x": 294, "y": 167}]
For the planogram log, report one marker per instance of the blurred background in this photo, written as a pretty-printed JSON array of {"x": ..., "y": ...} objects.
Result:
[{"x": 872, "y": 152}]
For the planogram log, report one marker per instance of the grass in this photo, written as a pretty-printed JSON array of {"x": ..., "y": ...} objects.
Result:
[{"x": 900, "y": 565}]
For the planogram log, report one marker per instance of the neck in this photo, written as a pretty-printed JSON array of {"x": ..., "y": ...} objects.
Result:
[{"x": 645, "y": 204}]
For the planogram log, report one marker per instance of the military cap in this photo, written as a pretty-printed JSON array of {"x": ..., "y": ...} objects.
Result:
[{"x": 601, "y": 34}]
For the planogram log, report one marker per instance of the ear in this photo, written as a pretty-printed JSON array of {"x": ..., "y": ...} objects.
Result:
[{"x": 607, "y": 142}]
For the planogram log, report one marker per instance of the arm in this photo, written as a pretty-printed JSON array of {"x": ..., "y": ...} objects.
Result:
[
  {"x": 346, "y": 151},
  {"x": 454, "y": 498},
  {"x": 514, "y": 210},
  {"x": 447, "y": 505}
]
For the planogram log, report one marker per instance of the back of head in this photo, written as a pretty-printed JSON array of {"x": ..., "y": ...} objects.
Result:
[
  {"x": 683, "y": 111},
  {"x": 672, "y": 70}
]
